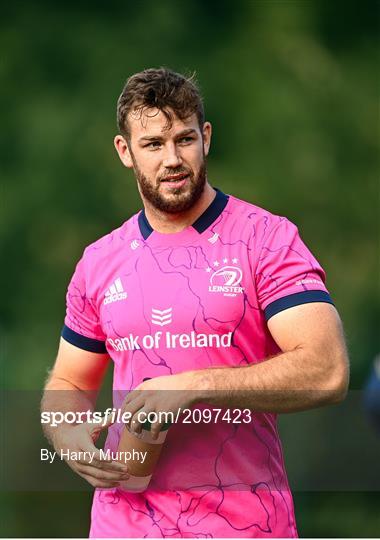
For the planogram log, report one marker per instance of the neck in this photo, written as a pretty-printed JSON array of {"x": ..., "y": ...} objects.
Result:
[{"x": 166, "y": 223}]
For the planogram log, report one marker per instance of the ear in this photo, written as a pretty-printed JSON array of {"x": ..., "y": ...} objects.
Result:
[
  {"x": 123, "y": 151},
  {"x": 207, "y": 130}
]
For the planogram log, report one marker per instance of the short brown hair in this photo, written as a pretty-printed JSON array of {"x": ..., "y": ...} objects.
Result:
[{"x": 163, "y": 89}]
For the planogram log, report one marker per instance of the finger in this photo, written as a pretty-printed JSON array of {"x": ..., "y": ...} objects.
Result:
[
  {"x": 86, "y": 445},
  {"x": 105, "y": 464},
  {"x": 103, "y": 475},
  {"x": 138, "y": 392},
  {"x": 99, "y": 459},
  {"x": 131, "y": 396},
  {"x": 139, "y": 419},
  {"x": 137, "y": 402},
  {"x": 90, "y": 454},
  {"x": 80, "y": 438},
  {"x": 87, "y": 448},
  {"x": 148, "y": 418},
  {"x": 155, "y": 429},
  {"x": 133, "y": 408},
  {"x": 99, "y": 483}
]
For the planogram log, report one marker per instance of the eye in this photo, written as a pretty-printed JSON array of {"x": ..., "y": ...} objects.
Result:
[
  {"x": 153, "y": 145},
  {"x": 186, "y": 139}
]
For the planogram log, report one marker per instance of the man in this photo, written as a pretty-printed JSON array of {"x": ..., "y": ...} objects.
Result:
[{"x": 200, "y": 298}]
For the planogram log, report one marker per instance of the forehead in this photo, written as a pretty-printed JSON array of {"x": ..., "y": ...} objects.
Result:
[{"x": 154, "y": 122}]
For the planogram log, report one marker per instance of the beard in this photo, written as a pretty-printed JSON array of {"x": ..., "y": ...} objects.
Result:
[{"x": 180, "y": 199}]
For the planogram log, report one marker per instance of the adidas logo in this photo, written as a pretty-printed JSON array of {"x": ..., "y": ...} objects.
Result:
[{"x": 115, "y": 292}]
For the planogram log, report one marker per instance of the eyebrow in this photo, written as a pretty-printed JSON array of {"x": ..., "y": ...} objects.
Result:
[{"x": 188, "y": 131}]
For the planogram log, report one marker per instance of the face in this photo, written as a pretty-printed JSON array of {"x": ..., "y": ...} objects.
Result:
[{"x": 169, "y": 164}]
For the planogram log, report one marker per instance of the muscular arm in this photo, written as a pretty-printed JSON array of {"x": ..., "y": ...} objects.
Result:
[
  {"x": 74, "y": 382},
  {"x": 73, "y": 387},
  {"x": 311, "y": 371}
]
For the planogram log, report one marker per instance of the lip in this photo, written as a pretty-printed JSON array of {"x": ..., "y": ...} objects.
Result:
[
  {"x": 176, "y": 181},
  {"x": 180, "y": 176}
]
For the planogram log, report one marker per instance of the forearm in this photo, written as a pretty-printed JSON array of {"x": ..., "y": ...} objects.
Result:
[
  {"x": 291, "y": 381},
  {"x": 62, "y": 396}
]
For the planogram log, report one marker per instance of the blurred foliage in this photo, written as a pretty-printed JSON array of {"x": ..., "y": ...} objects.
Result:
[{"x": 290, "y": 87}]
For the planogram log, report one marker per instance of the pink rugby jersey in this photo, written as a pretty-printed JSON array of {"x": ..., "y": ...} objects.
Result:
[{"x": 161, "y": 304}]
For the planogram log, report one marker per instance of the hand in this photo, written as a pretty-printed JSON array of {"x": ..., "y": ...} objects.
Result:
[
  {"x": 167, "y": 394},
  {"x": 100, "y": 473}
]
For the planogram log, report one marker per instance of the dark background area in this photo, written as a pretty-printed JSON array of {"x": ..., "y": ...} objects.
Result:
[{"x": 291, "y": 89}]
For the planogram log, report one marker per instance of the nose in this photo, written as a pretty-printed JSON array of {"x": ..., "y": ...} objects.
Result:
[{"x": 172, "y": 157}]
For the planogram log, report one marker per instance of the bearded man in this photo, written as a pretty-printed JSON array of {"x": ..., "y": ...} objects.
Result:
[{"x": 199, "y": 300}]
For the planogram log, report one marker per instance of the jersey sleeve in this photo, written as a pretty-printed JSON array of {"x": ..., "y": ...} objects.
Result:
[
  {"x": 287, "y": 273},
  {"x": 82, "y": 327}
]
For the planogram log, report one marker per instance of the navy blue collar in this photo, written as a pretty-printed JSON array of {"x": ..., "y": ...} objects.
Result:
[{"x": 204, "y": 221}]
